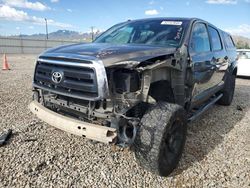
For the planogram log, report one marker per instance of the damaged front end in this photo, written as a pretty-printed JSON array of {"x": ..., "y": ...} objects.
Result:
[{"x": 114, "y": 97}]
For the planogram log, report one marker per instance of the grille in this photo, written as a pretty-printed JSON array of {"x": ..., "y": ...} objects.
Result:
[{"x": 79, "y": 82}]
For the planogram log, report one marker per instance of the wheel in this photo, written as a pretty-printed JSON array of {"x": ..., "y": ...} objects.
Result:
[
  {"x": 228, "y": 90},
  {"x": 161, "y": 138}
]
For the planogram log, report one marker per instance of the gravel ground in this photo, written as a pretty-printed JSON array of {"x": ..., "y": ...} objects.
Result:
[{"x": 217, "y": 152}]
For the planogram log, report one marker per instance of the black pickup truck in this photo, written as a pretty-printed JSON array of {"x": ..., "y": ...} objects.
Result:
[{"x": 138, "y": 85}]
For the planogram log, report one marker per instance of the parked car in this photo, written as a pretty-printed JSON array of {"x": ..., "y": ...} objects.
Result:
[
  {"x": 243, "y": 62},
  {"x": 138, "y": 84}
]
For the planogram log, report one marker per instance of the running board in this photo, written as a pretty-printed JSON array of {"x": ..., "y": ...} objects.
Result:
[{"x": 204, "y": 108}]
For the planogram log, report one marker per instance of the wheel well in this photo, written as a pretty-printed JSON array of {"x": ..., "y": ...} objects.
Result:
[{"x": 162, "y": 91}]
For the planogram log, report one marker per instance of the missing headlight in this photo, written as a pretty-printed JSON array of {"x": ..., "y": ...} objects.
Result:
[{"x": 126, "y": 81}]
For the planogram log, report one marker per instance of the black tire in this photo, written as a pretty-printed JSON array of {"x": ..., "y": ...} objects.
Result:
[
  {"x": 228, "y": 90},
  {"x": 161, "y": 138}
]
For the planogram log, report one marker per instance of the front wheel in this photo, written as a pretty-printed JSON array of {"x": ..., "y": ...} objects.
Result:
[{"x": 161, "y": 138}]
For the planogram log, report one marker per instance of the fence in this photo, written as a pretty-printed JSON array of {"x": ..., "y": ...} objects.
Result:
[{"x": 28, "y": 46}]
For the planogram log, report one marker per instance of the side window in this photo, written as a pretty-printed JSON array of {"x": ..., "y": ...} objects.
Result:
[
  {"x": 215, "y": 38},
  {"x": 200, "y": 39},
  {"x": 228, "y": 41}
]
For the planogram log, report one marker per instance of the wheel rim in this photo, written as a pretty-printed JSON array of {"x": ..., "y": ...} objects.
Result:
[{"x": 174, "y": 141}]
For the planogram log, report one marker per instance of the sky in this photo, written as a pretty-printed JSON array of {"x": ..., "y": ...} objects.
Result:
[{"x": 27, "y": 16}]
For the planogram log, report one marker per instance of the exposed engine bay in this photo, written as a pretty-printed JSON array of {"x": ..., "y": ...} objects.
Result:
[{"x": 121, "y": 111}]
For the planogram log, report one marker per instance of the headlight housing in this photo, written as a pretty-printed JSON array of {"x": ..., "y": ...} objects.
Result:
[{"x": 128, "y": 64}]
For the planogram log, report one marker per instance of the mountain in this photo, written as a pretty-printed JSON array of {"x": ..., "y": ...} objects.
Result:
[
  {"x": 241, "y": 42},
  {"x": 61, "y": 35}
]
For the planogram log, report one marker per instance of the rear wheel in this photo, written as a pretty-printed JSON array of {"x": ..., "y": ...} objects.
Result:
[
  {"x": 161, "y": 138},
  {"x": 228, "y": 90}
]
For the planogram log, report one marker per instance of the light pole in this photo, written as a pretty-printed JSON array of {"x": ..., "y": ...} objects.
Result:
[
  {"x": 47, "y": 35},
  {"x": 92, "y": 33}
]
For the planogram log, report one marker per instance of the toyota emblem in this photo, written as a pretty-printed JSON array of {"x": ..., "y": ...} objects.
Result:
[{"x": 57, "y": 77}]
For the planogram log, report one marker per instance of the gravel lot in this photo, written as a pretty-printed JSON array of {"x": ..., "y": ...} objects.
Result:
[{"x": 217, "y": 152}]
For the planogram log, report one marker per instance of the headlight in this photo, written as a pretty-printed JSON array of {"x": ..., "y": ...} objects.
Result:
[{"x": 126, "y": 81}]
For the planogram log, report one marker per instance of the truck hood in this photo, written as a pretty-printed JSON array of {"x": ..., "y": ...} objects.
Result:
[{"x": 111, "y": 53}]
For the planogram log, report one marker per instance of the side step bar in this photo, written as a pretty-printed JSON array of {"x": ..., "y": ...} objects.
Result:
[{"x": 204, "y": 108}]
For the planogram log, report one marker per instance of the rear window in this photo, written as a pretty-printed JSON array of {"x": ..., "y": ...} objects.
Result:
[
  {"x": 228, "y": 41},
  {"x": 215, "y": 38}
]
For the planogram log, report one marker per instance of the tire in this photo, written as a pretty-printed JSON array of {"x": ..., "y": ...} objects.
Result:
[
  {"x": 161, "y": 138},
  {"x": 228, "y": 90}
]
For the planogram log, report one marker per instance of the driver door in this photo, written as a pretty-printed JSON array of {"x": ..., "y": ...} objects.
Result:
[{"x": 201, "y": 60}]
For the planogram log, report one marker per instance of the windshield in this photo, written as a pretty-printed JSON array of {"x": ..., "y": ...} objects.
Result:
[{"x": 149, "y": 32}]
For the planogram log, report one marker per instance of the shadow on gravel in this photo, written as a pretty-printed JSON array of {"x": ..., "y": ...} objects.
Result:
[
  {"x": 244, "y": 77},
  {"x": 206, "y": 133}
]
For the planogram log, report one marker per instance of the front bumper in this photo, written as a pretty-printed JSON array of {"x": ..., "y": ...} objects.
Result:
[{"x": 73, "y": 126}]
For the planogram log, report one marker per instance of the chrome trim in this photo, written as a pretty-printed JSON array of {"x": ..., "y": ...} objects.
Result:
[
  {"x": 69, "y": 56},
  {"x": 69, "y": 63},
  {"x": 66, "y": 94},
  {"x": 97, "y": 66}
]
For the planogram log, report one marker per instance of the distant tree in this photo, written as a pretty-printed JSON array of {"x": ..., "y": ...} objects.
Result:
[
  {"x": 242, "y": 45},
  {"x": 246, "y": 46},
  {"x": 239, "y": 44}
]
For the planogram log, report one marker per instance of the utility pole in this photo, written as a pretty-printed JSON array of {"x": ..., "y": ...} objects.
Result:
[
  {"x": 47, "y": 35},
  {"x": 92, "y": 33}
]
